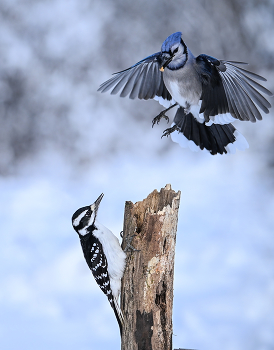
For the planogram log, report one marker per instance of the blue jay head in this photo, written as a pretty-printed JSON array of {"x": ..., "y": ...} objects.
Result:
[
  {"x": 84, "y": 218},
  {"x": 174, "y": 52}
]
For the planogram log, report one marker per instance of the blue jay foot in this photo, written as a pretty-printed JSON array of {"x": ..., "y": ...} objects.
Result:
[
  {"x": 159, "y": 117},
  {"x": 162, "y": 115},
  {"x": 169, "y": 131},
  {"x": 128, "y": 243}
]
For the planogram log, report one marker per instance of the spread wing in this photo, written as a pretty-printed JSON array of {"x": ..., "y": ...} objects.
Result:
[
  {"x": 227, "y": 88},
  {"x": 143, "y": 80}
]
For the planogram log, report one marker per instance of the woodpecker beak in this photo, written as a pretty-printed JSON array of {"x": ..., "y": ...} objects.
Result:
[
  {"x": 166, "y": 59},
  {"x": 94, "y": 207}
]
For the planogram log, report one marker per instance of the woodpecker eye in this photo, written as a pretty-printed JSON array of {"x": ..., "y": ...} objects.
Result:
[{"x": 85, "y": 219}]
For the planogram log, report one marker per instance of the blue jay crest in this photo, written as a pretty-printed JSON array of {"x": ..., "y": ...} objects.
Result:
[{"x": 173, "y": 39}]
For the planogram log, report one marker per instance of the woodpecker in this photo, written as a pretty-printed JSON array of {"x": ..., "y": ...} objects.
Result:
[{"x": 103, "y": 254}]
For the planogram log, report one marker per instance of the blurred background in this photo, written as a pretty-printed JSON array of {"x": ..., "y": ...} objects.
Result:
[{"x": 62, "y": 144}]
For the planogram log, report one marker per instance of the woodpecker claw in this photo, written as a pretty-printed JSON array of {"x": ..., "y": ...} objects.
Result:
[{"x": 128, "y": 244}]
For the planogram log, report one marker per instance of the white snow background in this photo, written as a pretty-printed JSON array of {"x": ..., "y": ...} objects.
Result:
[{"x": 85, "y": 143}]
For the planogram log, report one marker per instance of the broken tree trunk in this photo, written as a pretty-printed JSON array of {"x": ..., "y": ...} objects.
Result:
[{"x": 147, "y": 285}]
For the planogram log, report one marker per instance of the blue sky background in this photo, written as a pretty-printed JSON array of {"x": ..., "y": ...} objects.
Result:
[{"x": 62, "y": 144}]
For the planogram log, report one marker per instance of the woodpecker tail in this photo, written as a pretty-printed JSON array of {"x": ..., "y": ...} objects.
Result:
[
  {"x": 118, "y": 313},
  {"x": 197, "y": 136}
]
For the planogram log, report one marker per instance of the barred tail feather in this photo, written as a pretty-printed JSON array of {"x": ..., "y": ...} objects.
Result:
[{"x": 214, "y": 138}]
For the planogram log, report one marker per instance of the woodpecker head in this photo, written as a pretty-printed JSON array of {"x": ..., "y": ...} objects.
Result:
[
  {"x": 84, "y": 218},
  {"x": 174, "y": 52}
]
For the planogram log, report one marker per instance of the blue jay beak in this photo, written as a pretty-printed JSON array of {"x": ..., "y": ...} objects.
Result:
[{"x": 166, "y": 59}]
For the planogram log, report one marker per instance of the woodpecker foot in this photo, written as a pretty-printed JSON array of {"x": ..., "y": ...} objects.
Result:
[
  {"x": 159, "y": 117},
  {"x": 128, "y": 243},
  {"x": 169, "y": 131}
]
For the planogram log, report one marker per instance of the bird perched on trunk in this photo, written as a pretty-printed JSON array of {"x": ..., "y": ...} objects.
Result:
[
  {"x": 103, "y": 254},
  {"x": 210, "y": 95}
]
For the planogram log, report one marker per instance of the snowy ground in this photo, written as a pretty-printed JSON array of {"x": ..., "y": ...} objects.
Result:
[{"x": 224, "y": 275}]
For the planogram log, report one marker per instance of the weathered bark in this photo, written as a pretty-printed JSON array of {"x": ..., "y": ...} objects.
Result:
[{"x": 147, "y": 285}]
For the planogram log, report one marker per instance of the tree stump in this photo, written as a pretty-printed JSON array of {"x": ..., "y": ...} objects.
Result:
[{"x": 147, "y": 284}]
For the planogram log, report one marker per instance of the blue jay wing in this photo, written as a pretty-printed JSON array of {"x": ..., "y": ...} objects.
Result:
[
  {"x": 143, "y": 80},
  {"x": 227, "y": 88}
]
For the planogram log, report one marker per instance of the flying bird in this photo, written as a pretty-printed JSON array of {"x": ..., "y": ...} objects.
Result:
[
  {"x": 209, "y": 93},
  {"x": 103, "y": 254}
]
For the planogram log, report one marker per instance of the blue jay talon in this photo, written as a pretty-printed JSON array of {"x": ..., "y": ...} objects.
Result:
[
  {"x": 162, "y": 115},
  {"x": 169, "y": 131},
  {"x": 159, "y": 117}
]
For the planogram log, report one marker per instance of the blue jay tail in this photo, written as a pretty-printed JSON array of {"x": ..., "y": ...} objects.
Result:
[{"x": 216, "y": 138}]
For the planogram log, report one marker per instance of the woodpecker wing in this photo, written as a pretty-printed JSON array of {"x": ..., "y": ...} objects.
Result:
[
  {"x": 97, "y": 262},
  {"x": 227, "y": 88},
  {"x": 143, "y": 80}
]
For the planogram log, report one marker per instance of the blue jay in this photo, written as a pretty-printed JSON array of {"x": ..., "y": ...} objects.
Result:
[{"x": 210, "y": 95}]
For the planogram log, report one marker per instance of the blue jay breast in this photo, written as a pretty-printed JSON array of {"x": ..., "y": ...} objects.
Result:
[
  {"x": 184, "y": 88},
  {"x": 183, "y": 94}
]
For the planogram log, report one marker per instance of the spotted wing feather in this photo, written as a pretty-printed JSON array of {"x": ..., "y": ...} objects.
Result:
[{"x": 97, "y": 262}]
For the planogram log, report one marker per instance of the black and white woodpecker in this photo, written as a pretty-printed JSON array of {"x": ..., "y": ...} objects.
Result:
[{"x": 103, "y": 254}]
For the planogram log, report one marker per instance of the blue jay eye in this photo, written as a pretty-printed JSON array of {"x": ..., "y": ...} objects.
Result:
[{"x": 176, "y": 50}]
